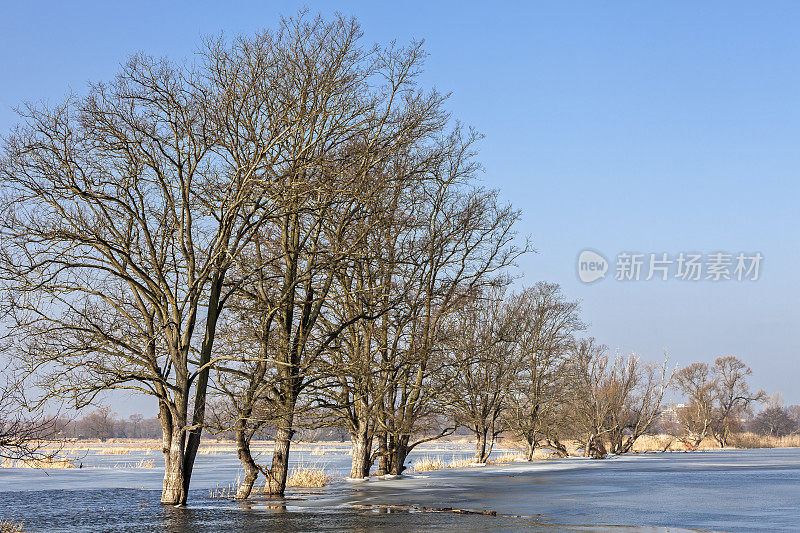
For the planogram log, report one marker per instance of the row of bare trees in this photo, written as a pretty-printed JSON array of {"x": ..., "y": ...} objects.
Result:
[
  {"x": 519, "y": 369},
  {"x": 284, "y": 213},
  {"x": 288, "y": 230}
]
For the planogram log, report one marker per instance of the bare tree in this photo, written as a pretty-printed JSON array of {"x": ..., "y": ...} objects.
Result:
[
  {"x": 775, "y": 419},
  {"x": 635, "y": 391},
  {"x": 733, "y": 396},
  {"x": 718, "y": 397},
  {"x": 98, "y": 424},
  {"x": 484, "y": 365},
  {"x": 546, "y": 323},
  {"x": 589, "y": 368},
  {"x": 23, "y": 434},
  {"x": 697, "y": 416},
  {"x": 467, "y": 240}
]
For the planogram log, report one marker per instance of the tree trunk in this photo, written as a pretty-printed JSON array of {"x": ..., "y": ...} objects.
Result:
[
  {"x": 530, "y": 447},
  {"x": 480, "y": 445},
  {"x": 278, "y": 471},
  {"x": 201, "y": 387},
  {"x": 362, "y": 449},
  {"x": 558, "y": 447},
  {"x": 173, "y": 489},
  {"x": 383, "y": 455},
  {"x": 249, "y": 465},
  {"x": 399, "y": 454}
]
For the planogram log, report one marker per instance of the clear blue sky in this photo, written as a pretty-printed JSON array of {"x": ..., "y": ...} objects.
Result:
[{"x": 651, "y": 127}]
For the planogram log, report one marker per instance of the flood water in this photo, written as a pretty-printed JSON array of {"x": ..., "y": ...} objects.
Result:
[{"x": 726, "y": 490}]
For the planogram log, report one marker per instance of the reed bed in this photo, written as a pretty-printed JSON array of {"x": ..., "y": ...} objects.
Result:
[
  {"x": 45, "y": 462},
  {"x": 114, "y": 451},
  {"x": 428, "y": 463},
  {"x": 507, "y": 458}
]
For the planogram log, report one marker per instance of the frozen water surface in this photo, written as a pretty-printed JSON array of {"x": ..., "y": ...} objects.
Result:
[{"x": 726, "y": 490}]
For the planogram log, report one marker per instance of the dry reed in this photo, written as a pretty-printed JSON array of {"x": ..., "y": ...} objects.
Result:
[{"x": 307, "y": 476}]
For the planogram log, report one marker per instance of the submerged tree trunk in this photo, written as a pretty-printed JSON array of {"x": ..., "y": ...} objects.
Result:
[
  {"x": 279, "y": 470},
  {"x": 246, "y": 458},
  {"x": 173, "y": 443}
]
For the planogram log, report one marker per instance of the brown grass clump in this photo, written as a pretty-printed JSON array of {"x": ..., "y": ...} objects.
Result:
[
  {"x": 657, "y": 443},
  {"x": 789, "y": 441},
  {"x": 460, "y": 463},
  {"x": 307, "y": 476},
  {"x": 427, "y": 464},
  {"x": 10, "y": 526},
  {"x": 507, "y": 458},
  {"x": 661, "y": 443}
]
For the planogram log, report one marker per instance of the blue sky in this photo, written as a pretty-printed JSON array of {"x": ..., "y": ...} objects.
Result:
[{"x": 670, "y": 127}]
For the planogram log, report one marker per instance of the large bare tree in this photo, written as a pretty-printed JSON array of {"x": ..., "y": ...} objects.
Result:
[{"x": 547, "y": 321}]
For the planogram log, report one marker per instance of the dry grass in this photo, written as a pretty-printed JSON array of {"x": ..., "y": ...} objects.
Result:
[
  {"x": 142, "y": 463},
  {"x": 660, "y": 443},
  {"x": 749, "y": 440},
  {"x": 507, "y": 458},
  {"x": 318, "y": 451},
  {"x": 657, "y": 443},
  {"x": 224, "y": 491},
  {"x": 216, "y": 450},
  {"x": 114, "y": 451},
  {"x": 10, "y": 526},
  {"x": 428, "y": 464},
  {"x": 308, "y": 476},
  {"x": 51, "y": 463}
]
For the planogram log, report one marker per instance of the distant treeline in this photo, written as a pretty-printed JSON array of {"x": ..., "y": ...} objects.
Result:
[
  {"x": 776, "y": 420},
  {"x": 103, "y": 424}
]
